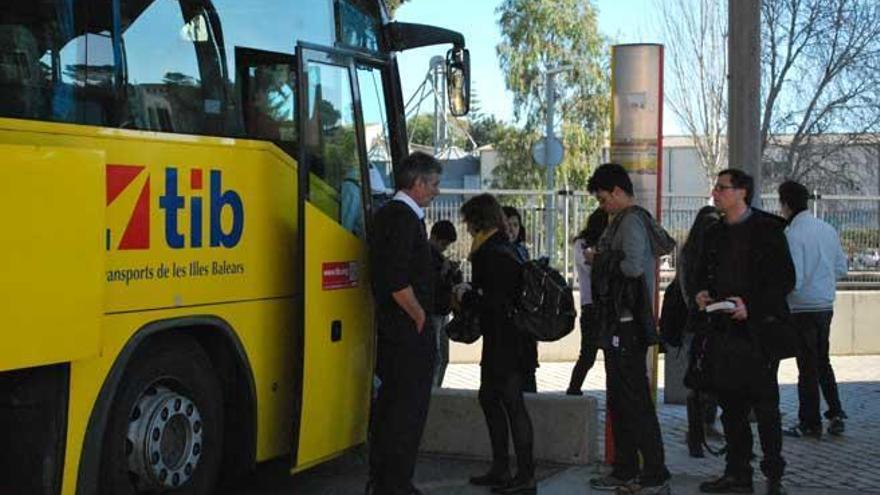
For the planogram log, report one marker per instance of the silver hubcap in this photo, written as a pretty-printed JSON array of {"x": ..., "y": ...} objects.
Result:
[{"x": 164, "y": 441}]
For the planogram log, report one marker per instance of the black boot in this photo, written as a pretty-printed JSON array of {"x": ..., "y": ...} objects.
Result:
[
  {"x": 774, "y": 487},
  {"x": 695, "y": 445},
  {"x": 728, "y": 484},
  {"x": 524, "y": 481},
  {"x": 498, "y": 475}
]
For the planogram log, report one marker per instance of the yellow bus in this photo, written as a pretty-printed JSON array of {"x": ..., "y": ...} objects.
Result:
[{"x": 185, "y": 187}]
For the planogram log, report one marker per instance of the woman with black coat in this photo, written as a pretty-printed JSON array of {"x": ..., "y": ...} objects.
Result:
[{"x": 508, "y": 355}]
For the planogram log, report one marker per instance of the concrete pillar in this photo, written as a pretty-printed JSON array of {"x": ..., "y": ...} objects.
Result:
[{"x": 744, "y": 93}]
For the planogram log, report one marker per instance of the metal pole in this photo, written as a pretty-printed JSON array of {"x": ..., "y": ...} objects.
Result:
[
  {"x": 439, "y": 83},
  {"x": 744, "y": 90},
  {"x": 567, "y": 234},
  {"x": 550, "y": 206}
]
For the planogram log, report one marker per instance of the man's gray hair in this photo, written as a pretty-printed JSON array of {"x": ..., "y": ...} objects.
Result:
[{"x": 416, "y": 165}]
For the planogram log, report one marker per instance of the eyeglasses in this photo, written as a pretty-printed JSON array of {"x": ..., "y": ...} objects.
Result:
[{"x": 722, "y": 187}]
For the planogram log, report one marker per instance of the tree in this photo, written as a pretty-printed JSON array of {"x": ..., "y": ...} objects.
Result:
[
  {"x": 538, "y": 35},
  {"x": 485, "y": 129},
  {"x": 821, "y": 83},
  {"x": 515, "y": 169},
  {"x": 179, "y": 79},
  {"x": 695, "y": 38},
  {"x": 820, "y": 87},
  {"x": 421, "y": 129}
]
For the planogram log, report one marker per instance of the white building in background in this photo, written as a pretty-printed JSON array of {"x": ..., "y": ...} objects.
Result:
[{"x": 682, "y": 174}]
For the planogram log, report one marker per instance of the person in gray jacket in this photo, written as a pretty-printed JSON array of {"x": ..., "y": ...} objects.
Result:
[
  {"x": 623, "y": 268},
  {"x": 819, "y": 262}
]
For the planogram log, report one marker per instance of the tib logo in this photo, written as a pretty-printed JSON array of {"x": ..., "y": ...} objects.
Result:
[{"x": 136, "y": 234}]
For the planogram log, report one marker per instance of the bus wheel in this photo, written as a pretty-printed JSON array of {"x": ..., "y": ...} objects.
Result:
[{"x": 164, "y": 433}]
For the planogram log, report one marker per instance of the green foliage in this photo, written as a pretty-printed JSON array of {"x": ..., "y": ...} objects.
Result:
[
  {"x": 484, "y": 129},
  {"x": 421, "y": 129},
  {"x": 515, "y": 169},
  {"x": 538, "y": 35}
]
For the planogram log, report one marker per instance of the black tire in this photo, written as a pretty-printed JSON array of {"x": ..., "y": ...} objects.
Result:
[{"x": 175, "y": 363}]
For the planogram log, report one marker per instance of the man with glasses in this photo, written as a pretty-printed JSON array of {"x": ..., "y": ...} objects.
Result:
[{"x": 746, "y": 264}]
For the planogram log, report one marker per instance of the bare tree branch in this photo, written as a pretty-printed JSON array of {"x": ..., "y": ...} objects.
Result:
[{"x": 695, "y": 35}]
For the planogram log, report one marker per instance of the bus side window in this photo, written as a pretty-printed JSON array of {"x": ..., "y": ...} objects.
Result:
[
  {"x": 374, "y": 111},
  {"x": 267, "y": 82},
  {"x": 174, "y": 66},
  {"x": 42, "y": 59},
  {"x": 331, "y": 146}
]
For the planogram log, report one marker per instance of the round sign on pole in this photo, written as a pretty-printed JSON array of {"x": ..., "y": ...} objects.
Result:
[{"x": 548, "y": 152}]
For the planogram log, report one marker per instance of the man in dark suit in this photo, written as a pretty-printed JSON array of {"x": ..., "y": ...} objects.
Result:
[
  {"x": 746, "y": 262},
  {"x": 400, "y": 258}
]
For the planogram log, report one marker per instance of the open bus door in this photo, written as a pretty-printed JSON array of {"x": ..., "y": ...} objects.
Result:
[{"x": 337, "y": 335}]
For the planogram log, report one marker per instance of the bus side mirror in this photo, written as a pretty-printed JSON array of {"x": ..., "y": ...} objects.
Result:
[{"x": 458, "y": 81}]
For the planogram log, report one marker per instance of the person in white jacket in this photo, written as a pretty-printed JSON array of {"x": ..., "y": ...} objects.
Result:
[{"x": 819, "y": 262}]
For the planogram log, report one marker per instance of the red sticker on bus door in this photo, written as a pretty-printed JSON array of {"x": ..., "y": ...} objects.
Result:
[{"x": 339, "y": 275}]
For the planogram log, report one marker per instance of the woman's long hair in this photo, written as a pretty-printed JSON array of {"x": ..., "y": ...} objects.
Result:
[
  {"x": 484, "y": 212},
  {"x": 510, "y": 211},
  {"x": 596, "y": 223},
  {"x": 692, "y": 250}
]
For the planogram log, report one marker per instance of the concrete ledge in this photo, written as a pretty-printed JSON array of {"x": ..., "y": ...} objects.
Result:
[{"x": 566, "y": 428}]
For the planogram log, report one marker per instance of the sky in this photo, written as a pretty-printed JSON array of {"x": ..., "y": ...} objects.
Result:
[{"x": 623, "y": 21}]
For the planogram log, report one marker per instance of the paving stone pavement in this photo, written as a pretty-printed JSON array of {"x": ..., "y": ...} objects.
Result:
[{"x": 849, "y": 462}]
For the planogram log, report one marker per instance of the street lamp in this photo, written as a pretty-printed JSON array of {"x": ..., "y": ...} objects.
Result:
[{"x": 550, "y": 162}]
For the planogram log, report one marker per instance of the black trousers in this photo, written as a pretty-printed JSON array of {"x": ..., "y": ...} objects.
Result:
[
  {"x": 763, "y": 397},
  {"x": 633, "y": 416},
  {"x": 501, "y": 397},
  {"x": 702, "y": 408},
  {"x": 814, "y": 367},
  {"x": 530, "y": 382},
  {"x": 589, "y": 349},
  {"x": 405, "y": 365}
]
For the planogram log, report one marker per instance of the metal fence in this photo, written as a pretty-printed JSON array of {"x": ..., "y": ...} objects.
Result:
[{"x": 856, "y": 218}]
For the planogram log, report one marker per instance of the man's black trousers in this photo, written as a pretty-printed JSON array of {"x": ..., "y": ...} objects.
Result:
[
  {"x": 763, "y": 396},
  {"x": 633, "y": 416},
  {"x": 501, "y": 397},
  {"x": 814, "y": 367},
  {"x": 405, "y": 365}
]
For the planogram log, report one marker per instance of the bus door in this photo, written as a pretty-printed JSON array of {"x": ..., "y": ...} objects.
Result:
[{"x": 337, "y": 337}]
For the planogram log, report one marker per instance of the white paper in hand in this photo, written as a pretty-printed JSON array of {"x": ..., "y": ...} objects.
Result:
[{"x": 721, "y": 306}]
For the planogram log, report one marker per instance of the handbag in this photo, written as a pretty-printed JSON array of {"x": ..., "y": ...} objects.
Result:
[
  {"x": 698, "y": 375},
  {"x": 464, "y": 327},
  {"x": 778, "y": 337}
]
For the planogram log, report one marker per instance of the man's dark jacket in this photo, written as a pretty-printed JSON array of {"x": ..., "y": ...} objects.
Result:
[
  {"x": 769, "y": 275},
  {"x": 400, "y": 256},
  {"x": 769, "y": 268}
]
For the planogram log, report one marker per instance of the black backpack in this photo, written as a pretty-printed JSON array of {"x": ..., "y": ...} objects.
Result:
[{"x": 544, "y": 305}]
